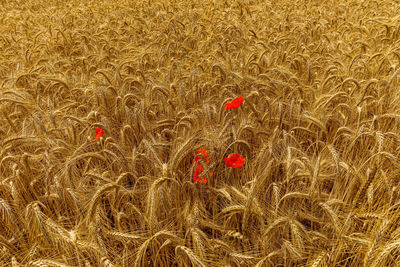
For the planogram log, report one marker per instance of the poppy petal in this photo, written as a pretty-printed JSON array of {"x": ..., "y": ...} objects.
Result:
[
  {"x": 234, "y": 160},
  {"x": 99, "y": 133},
  {"x": 200, "y": 154},
  {"x": 235, "y": 103}
]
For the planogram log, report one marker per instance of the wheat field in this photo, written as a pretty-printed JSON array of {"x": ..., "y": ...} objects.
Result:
[{"x": 317, "y": 130}]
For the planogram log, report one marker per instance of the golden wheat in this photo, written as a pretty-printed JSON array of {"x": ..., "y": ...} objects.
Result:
[{"x": 318, "y": 130}]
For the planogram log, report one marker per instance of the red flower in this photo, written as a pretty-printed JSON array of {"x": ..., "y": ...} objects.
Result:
[
  {"x": 234, "y": 160},
  {"x": 200, "y": 154},
  {"x": 235, "y": 103},
  {"x": 197, "y": 172},
  {"x": 99, "y": 133}
]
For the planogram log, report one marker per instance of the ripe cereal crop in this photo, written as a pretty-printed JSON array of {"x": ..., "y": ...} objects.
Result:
[{"x": 199, "y": 133}]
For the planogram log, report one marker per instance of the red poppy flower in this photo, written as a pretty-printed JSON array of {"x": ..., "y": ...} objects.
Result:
[
  {"x": 235, "y": 103},
  {"x": 200, "y": 154},
  {"x": 99, "y": 133},
  {"x": 197, "y": 172},
  {"x": 234, "y": 160}
]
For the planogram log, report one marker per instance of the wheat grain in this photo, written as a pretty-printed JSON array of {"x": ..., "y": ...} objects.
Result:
[
  {"x": 194, "y": 260},
  {"x": 318, "y": 130}
]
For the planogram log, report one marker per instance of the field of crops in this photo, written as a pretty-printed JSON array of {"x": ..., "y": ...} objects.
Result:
[{"x": 199, "y": 133}]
